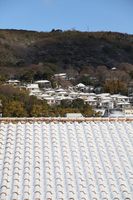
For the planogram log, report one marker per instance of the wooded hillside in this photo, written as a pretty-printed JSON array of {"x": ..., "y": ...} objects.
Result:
[{"x": 61, "y": 50}]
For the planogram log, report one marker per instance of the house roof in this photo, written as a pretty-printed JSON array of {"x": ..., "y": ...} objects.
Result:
[
  {"x": 60, "y": 74},
  {"x": 13, "y": 81},
  {"x": 103, "y": 95},
  {"x": 42, "y": 81},
  {"x": 119, "y": 96},
  {"x": 66, "y": 159},
  {"x": 80, "y": 85},
  {"x": 32, "y": 86}
]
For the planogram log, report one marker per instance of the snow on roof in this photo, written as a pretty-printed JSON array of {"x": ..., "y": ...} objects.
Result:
[
  {"x": 123, "y": 103},
  {"x": 60, "y": 90},
  {"x": 103, "y": 95},
  {"x": 66, "y": 160},
  {"x": 119, "y": 96},
  {"x": 42, "y": 81},
  {"x": 84, "y": 94},
  {"x": 123, "y": 97},
  {"x": 92, "y": 94},
  {"x": 74, "y": 93},
  {"x": 68, "y": 98},
  {"x": 115, "y": 95},
  {"x": 60, "y": 74},
  {"x": 80, "y": 85},
  {"x": 13, "y": 81},
  {"x": 32, "y": 85}
]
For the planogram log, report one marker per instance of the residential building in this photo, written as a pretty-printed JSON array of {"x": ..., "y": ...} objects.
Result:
[
  {"x": 60, "y": 76},
  {"x": 43, "y": 84},
  {"x": 13, "y": 82}
]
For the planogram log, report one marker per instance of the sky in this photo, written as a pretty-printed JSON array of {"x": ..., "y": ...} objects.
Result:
[{"x": 84, "y": 15}]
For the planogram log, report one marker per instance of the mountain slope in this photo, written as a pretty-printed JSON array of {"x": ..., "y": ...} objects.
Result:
[{"x": 69, "y": 48}]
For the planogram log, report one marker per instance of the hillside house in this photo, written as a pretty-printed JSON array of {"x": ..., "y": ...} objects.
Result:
[
  {"x": 13, "y": 82},
  {"x": 60, "y": 76},
  {"x": 120, "y": 101},
  {"x": 80, "y": 87},
  {"x": 104, "y": 100},
  {"x": 92, "y": 100},
  {"x": 43, "y": 84},
  {"x": 33, "y": 89}
]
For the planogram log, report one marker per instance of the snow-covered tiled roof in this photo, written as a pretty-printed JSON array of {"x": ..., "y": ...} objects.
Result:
[
  {"x": 42, "y": 81},
  {"x": 66, "y": 160}
]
